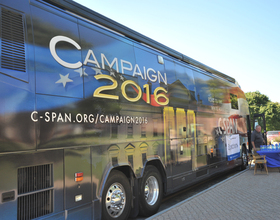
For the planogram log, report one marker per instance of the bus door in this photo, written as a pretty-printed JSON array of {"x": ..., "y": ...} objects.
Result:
[
  {"x": 259, "y": 119},
  {"x": 181, "y": 143},
  {"x": 204, "y": 141},
  {"x": 249, "y": 132},
  {"x": 169, "y": 133},
  {"x": 191, "y": 137}
]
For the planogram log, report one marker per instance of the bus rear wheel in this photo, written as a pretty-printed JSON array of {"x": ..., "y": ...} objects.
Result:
[
  {"x": 244, "y": 158},
  {"x": 150, "y": 193},
  {"x": 116, "y": 197}
]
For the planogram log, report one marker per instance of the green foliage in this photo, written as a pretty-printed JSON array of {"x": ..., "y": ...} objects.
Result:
[
  {"x": 260, "y": 103},
  {"x": 272, "y": 115},
  {"x": 256, "y": 98}
]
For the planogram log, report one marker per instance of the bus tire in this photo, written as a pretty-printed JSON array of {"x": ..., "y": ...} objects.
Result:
[
  {"x": 116, "y": 197},
  {"x": 244, "y": 158},
  {"x": 151, "y": 191}
]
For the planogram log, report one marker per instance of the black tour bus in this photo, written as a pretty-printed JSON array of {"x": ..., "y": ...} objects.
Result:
[{"x": 99, "y": 121}]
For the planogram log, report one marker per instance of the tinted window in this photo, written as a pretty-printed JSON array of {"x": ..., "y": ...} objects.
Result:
[
  {"x": 182, "y": 92},
  {"x": 209, "y": 90},
  {"x": 233, "y": 101}
]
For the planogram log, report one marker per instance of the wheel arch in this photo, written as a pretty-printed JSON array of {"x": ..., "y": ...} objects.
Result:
[
  {"x": 157, "y": 163},
  {"x": 125, "y": 169}
]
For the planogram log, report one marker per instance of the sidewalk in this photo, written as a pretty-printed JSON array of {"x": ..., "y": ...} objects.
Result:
[{"x": 244, "y": 196}]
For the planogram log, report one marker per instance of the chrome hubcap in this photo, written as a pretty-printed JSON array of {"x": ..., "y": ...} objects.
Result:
[
  {"x": 151, "y": 190},
  {"x": 115, "y": 200},
  {"x": 244, "y": 156}
]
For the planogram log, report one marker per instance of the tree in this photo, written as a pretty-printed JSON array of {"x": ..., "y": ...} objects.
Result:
[
  {"x": 256, "y": 98},
  {"x": 260, "y": 103},
  {"x": 272, "y": 115},
  {"x": 255, "y": 101}
]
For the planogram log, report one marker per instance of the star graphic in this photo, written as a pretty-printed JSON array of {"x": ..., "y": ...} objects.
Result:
[
  {"x": 82, "y": 72},
  {"x": 112, "y": 74},
  {"x": 121, "y": 77},
  {"x": 97, "y": 71},
  {"x": 64, "y": 79}
]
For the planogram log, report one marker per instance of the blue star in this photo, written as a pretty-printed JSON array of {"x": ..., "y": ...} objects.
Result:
[
  {"x": 64, "y": 79},
  {"x": 97, "y": 71},
  {"x": 112, "y": 74},
  {"x": 121, "y": 77},
  {"x": 82, "y": 72}
]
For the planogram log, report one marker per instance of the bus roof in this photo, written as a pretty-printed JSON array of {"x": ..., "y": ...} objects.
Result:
[{"x": 87, "y": 13}]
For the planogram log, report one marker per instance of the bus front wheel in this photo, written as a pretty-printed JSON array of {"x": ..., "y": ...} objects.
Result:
[
  {"x": 150, "y": 193},
  {"x": 116, "y": 197}
]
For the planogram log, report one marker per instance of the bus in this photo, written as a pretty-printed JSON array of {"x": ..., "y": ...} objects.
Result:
[{"x": 98, "y": 121}]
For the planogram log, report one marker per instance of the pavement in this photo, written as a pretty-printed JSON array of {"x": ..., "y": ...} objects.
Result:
[{"x": 242, "y": 196}]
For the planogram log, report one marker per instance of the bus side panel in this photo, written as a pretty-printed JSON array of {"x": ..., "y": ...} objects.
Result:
[
  {"x": 16, "y": 4},
  {"x": 53, "y": 74},
  {"x": 17, "y": 131},
  {"x": 57, "y": 124},
  {"x": 16, "y": 78},
  {"x": 77, "y": 177},
  {"x": 21, "y": 171},
  {"x": 84, "y": 212}
]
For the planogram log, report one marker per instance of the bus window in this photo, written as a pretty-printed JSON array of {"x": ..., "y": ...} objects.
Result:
[
  {"x": 182, "y": 90},
  {"x": 185, "y": 76},
  {"x": 209, "y": 91},
  {"x": 233, "y": 101}
]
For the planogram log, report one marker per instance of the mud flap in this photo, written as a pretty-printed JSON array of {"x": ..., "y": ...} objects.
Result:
[{"x": 135, "y": 198}]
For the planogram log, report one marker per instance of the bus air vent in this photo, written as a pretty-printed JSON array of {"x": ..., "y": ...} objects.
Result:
[
  {"x": 35, "y": 190},
  {"x": 35, "y": 205},
  {"x": 34, "y": 178},
  {"x": 12, "y": 43}
]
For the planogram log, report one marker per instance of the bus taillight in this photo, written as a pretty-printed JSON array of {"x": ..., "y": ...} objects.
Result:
[{"x": 79, "y": 176}]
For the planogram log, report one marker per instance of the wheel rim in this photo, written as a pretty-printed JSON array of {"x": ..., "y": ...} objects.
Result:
[
  {"x": 115, "y": 200},
  {"x": 244, "y": 157},
  {"x": 151, "y": 190}
]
